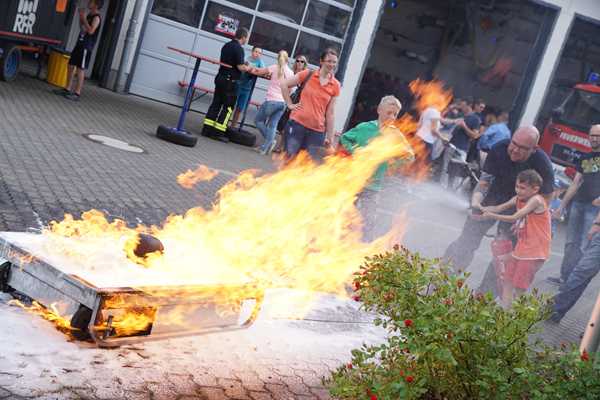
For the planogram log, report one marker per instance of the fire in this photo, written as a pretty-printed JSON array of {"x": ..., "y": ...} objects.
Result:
[
  {"x": 296, "y": 228},
  {"x": 51, "y": 314},
  {"x": 190, "y": 178},
  {"x": 427, "y": 94}
]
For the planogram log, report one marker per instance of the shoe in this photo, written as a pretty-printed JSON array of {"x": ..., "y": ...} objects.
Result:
[
  {"x": 272, "y": 147},
  {"x": 61, "y": 91},
  {"x": 72, "y": 96},
  {"x": 555, "y": 280}
]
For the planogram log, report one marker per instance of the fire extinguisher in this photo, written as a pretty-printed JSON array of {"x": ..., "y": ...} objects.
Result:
[{"x": 500, "y": 247}]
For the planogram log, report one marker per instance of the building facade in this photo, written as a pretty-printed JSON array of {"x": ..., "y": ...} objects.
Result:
[{"x": 506, "y": 51}]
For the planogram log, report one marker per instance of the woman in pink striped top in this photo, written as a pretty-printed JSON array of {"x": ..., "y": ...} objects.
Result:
[{"x": 272, "y": 109}]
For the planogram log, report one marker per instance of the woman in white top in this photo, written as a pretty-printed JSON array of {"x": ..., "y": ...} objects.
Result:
[{"x": 272, "y": 109}]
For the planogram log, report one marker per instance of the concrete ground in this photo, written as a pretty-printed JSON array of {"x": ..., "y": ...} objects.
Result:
[{"x": 49, "y": 167}]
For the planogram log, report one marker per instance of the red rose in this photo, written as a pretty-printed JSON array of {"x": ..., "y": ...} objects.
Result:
[
  {"x": 373, "y": 397},
  {"x": 408, "y": 323},
  {"x": 356, "y": 298},
  {"x": 349, "y": 365},
  {"x": 409, "y": 379},
  {"x": 356, "y": 285},
  {"x": 585, "y": 356}
]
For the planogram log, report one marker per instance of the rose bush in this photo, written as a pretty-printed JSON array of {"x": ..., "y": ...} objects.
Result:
[{"x": 447, "y": 342}]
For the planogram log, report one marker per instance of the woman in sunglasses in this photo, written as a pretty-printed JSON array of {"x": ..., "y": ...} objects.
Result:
[{"x": 300, "y": 64}]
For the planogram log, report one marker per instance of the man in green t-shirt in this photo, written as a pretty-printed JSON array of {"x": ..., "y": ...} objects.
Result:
[{"x": 359, "y": 136}]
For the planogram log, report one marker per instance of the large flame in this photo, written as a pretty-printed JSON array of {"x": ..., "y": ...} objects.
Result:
[{"x": 296, "y": 228}]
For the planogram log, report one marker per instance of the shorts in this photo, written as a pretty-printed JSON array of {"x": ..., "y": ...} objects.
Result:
[
  {"x": 520, "y": 273},
  {"x": 243, "y": 96},
  {"x": 80, "y": 57}
]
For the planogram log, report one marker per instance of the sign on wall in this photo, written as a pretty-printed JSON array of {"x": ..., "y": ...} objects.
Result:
[{"x": 226, "y": 25}]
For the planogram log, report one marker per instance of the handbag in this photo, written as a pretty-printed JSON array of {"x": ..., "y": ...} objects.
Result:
[{"x": 295, "y": 97}]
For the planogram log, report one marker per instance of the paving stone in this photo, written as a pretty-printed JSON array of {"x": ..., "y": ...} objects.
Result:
[
  {"x": 211, "y": 393},
  {"x": 4, "y": 393},
  {"x": 321, "y": 394},
  {"x": 260, "y": 395},
  {"x": 279, "y": 392},
  {"x": 183, "y": 383},
  {"x": 233, "y": 388}
]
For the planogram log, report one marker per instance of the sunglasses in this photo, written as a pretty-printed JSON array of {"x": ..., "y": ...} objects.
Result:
[{"x": 301, "y": 61}]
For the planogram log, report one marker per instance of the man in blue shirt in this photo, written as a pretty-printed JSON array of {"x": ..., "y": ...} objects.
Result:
[{"x": 495, "y": 133}]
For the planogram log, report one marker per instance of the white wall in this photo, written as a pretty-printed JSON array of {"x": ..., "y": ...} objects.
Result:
[
  {"x": 357, "y": 59},
  {"x": 569, "y": 8}
]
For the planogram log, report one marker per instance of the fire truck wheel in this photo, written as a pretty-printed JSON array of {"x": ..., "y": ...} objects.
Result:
[
  {"x": 174, "y": 136},
  {"x": 81, "y": 320},
  {"x": 10, "y": 60}
]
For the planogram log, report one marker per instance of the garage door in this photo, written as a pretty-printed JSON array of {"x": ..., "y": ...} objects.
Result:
[{"x": 297, "y": 26}]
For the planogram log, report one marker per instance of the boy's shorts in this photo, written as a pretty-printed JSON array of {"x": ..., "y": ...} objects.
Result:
[
  {"x": 520, "y": 273},
  {"x": 80, "y": 57}
]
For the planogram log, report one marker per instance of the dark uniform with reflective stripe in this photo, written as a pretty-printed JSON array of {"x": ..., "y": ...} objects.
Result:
[{"x": 221, "y": 108}]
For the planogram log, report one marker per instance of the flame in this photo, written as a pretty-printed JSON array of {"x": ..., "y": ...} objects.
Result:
[
  {"x": 51, "y": 314},
  {"x": 190, "y": 178},
  {"x": 427, "y": 94},
  {"x": 296, "y": 228}
]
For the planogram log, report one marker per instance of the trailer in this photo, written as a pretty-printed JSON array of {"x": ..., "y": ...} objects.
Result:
[{"x": 31, "y": 25}]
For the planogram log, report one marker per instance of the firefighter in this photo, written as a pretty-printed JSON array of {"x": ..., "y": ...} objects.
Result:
[{"x": 221, "y": 109}]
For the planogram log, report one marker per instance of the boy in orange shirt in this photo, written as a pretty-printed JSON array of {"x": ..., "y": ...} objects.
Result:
[{"x": 532, "y": 227}]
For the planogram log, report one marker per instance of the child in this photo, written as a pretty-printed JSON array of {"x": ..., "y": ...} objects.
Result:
[
  {"x": 80, "y": 56},
  {"x": 359, "y": 136},
  {"x": 532, "y": 228},
  {"x": 244, "y": 85}
]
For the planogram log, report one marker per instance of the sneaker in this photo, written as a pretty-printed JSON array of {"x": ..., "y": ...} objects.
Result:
[
  {"x": 61, "y": 91},
  {"x": 555, "y": 280},
  {"x": 72, "y": 96}
]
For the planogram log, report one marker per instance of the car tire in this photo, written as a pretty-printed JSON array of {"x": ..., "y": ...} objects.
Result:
[
  {"x": 242, "y": 137},
  {"x": 174, "y": 136}
]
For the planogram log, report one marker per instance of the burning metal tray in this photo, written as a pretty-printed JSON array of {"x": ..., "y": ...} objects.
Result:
[{"x": 114, "y": 316}]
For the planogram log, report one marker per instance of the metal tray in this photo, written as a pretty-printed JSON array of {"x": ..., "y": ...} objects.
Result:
[{"x": 159, "y": 311}]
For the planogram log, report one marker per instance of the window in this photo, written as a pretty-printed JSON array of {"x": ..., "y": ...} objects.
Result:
[
  {"x": 187, "y": 12},
  {"x": 311, "y": 46},
  {"x": 273, "y": 37},
  {"x": 327, "y": 19},
  {"x": 290, "y": 11},
  {"x": 582, "y": 109},
  {"x": 225, "y": 21},
  {"x": 346, "y": 2},
  {"x": 246, "y": 3}
]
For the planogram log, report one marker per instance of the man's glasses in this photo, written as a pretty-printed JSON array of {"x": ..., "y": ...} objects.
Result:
[{"x": 521, "y": 147}]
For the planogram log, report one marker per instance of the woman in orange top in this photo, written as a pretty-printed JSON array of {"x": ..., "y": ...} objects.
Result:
[
  {"x": 532, "y": 227},
  {"x": 312, "y": 119}
]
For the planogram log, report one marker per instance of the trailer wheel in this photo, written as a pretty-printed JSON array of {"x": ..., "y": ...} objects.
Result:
[
  {"x": 81, "y": 320},
  {"x": 10, "y": 62}
]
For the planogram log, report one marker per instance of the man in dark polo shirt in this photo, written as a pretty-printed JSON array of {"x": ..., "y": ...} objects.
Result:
[
  {"x": 496, "y": 186},
  {"x": 221, "y": 109}
]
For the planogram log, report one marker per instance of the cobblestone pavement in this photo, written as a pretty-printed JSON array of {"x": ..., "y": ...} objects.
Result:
[{"x": 48, "y": 168}]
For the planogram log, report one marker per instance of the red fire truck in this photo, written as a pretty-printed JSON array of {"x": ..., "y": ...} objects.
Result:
[{"x": 565, "y": 137}]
